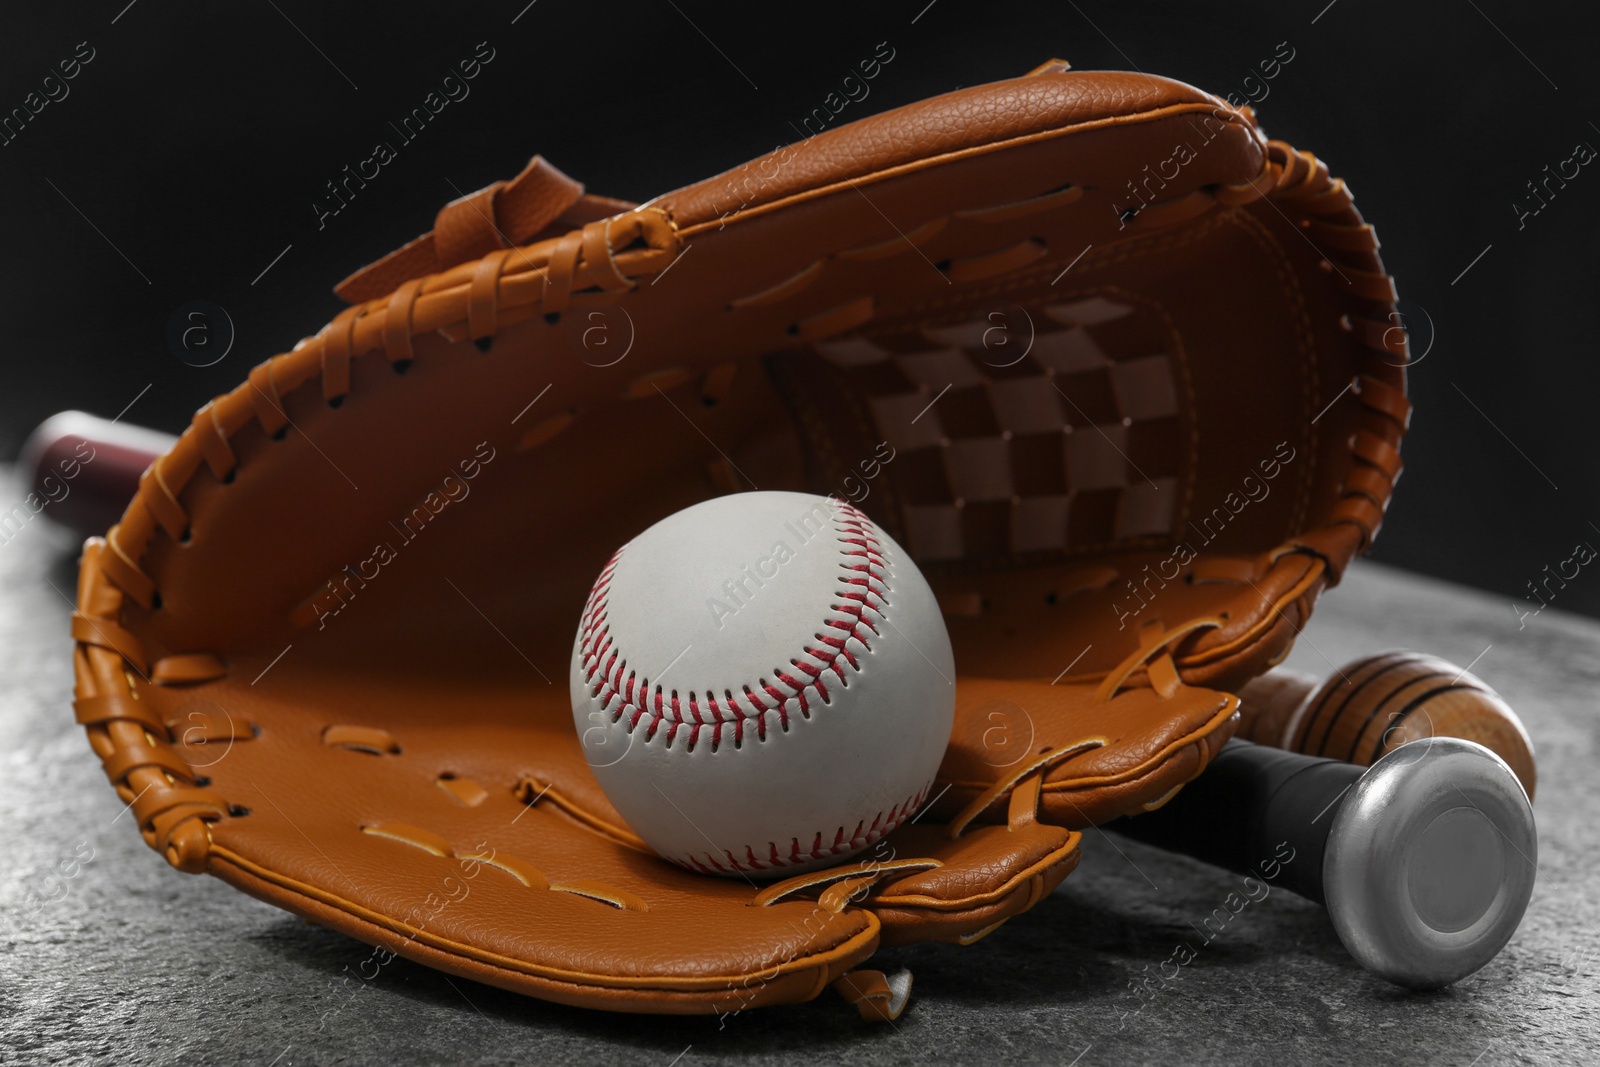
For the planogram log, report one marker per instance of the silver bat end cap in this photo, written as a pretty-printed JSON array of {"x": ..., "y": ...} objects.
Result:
[{"x": 1430, "y": 862}]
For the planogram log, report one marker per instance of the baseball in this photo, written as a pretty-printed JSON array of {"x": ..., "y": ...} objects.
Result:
[{"x": 763, "y": 683}]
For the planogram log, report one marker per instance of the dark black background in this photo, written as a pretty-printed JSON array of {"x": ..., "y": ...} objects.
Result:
[{"x": 191, "y": 149}]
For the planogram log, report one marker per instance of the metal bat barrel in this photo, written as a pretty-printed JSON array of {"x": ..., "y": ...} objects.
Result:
[{"x": 1425, "y": 860}]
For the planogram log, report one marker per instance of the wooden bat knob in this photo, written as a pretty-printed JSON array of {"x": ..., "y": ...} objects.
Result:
[{"x": 1374, "y": 705}]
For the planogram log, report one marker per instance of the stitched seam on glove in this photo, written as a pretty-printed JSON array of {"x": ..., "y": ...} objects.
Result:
[{"x": 708, "y": 983}]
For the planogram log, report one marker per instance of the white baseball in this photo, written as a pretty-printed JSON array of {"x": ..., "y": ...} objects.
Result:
[{"x": 763, "y": 684}]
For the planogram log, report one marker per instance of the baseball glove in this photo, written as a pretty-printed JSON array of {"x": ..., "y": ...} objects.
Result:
[{"x": 1117, "y": 370}]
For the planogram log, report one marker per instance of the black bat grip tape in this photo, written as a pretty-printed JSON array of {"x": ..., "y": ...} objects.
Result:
[{"x": 1256, "y": 811}]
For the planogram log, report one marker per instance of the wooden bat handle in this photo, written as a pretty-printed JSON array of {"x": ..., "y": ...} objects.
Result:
[{"x": 1376, "y": 704}]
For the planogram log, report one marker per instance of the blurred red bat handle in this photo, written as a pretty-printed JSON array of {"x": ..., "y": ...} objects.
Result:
[{"x": 83, "y": 470}]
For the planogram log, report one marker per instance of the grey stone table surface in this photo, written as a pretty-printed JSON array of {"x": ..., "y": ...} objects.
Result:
[{"x": 108, "y": 955}]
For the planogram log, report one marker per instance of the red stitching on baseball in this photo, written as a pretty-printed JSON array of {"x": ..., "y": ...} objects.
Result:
[
  {"x": 882, "y": 825},
  {"x": 863, "y": 592}
]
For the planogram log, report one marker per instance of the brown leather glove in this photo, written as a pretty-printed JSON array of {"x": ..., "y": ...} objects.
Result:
[{"x": 1119, "y": 372}]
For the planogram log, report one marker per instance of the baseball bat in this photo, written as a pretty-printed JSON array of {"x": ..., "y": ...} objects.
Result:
[
  {"x": 83, "y": 469},
  {"x": 1425, "y": 860}
]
